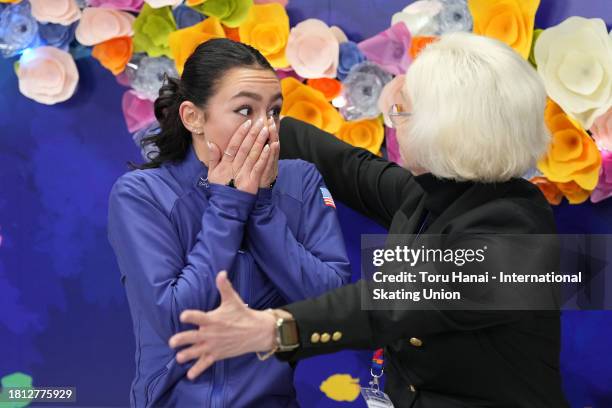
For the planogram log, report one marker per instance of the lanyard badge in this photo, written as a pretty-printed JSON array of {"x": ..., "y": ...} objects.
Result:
[{"x": 373, "y": 396}]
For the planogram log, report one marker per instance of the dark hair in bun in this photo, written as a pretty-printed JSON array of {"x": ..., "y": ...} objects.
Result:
[{"x": 202, "y": 72}]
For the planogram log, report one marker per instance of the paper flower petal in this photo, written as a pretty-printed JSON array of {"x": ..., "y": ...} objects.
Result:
[
  {"x": 389, "y": 49},
  {"x": 129, "y": 5},
  {"x": 350, "y": 55},
  {"x": 602, "y": 131},
  {"x": 574, "y": 59},
  {"x": 149, "y": 74},
  {"x": 138, "y": 112},
  {"x": 267, "y": 29},
  {"x": 604, "y": 186},
  {"x": 152, "y": 29},
  {"x": 18, "y": 29},
  {"x": 101, "y": 24},
  {"x": 368, "y": 134},
  {"x": 184, "y": 42},
  {"x": 47, "y": 75},
  {"x": 231, "y": 13},
  {"x": 420, "y": 17},
  {"x": 312, "y": 50},
  {"x": 163, "y": 3},
  {"x": 362, "y": 89},
  {"x": 63, "y": 12},
  {"x": 329, "y": 87},
  {"x": 114, "y": 54},
  {"x": 549, "y": 189}
]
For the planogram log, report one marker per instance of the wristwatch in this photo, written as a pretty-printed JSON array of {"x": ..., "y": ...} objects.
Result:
[{"x": 287, "y": 336}]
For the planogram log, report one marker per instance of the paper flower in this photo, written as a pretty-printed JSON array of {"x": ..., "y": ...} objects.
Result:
[
  {"x": 149, "y": 75},
  {"x": 232, "y": 33},
  {"x": 152, "y": 29},
  {"x": 362, "y": 88},
  {"x": 63, "y": 12},
  {"x": 186, "y": 16},
  {"x": 101, "y": 24},
  {"x": 130, "y": 5},
  {"x": 163, "y": 3},
  {"x": 602, "y": 131},
  {"x": 330, "y": 88},
  {"x": 339, "y": 34},
  {"x": 549, "y": 189},
  {"x": 312, "y": 50},
  {"x": 114, "y": 54},
  {"x": 10, "y": 1},
  {"x": 57, "y": 35},
  {"x": 184, "y": 42},
  {"x": 390, "y": 95},
  {"x": 389, "y": 49},
  {"x": 536, "y": 35},
  {"x": 420, "y": 17},
  {"x": 510, "y": 21},
  {"x": 47, "y": 75},
  {"x": 573, "y": 192},
  {"x": 350, "y": 55},
  {"x": 418, "y": 44},
  {"x": 572, "y": 155},
  {"x": 231, "y": 13},
  {"x": 18, "y": 29},
  {"x": 368, "y": 134},
  {"x": 267, "y": 29},
  {"x": 393, "y": 151},
  {"x": 137, "y": 111},
  {"x": 454, "y": 16},
  {"x": 603, "y": 189},
  {"x": 148, "y": 151},
  {"x": 575, "y": 61},
  {"x": 281, "y": 2},
  {"x": 309, "y": 105}
]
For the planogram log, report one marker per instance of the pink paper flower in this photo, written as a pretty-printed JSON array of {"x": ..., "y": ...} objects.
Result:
[
  {"x": 312, "y": 50},
  {"x": 130, "y": 5},
  {"x": 102, "y": 24},
  {"x": 602, "y": 131},
  {"x": 389, "y": 96},
  {"x": 603, "y": 189},
  {"x": 393, "y": 151},
  {"x": 138, "y": 112},
  {"x": 281, "y": 2},
  {"x": 389, "y": 49},
  {"x": 47, "y": 75},
  {"x": 64, "y": 12}
]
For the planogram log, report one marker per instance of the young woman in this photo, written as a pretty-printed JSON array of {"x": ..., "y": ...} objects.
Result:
[{"x": 215, "y": 197}]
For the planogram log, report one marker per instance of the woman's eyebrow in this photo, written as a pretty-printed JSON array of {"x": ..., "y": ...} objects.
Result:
[{"x": 256, "y": 96}]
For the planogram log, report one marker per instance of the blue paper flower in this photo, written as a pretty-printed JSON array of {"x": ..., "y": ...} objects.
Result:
[
  {"x": 361, "y": 90},
  {"x": 148, "y": 74},
  {"x": 18, "y": 29},
  {"x": 57, "y": 35},
  {"x": 350, "y": 55},
  {"x": 148, "y": 151},
  {"x": 186, "y": 16}
]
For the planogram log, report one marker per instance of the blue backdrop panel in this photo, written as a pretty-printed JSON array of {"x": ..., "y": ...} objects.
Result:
[{"x": 63, "y": 313}]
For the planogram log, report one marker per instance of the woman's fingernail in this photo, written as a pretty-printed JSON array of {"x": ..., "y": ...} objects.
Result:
[
  {"x": 247, "y": 124},
  {"x": 266, "y": 148},
  {"x": 264, "y": 131}
]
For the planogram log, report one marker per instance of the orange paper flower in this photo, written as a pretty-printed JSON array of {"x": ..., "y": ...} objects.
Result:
[
  {"x": 549, "y": 189},
  {"x": 267, "y": 29},
  {"x": 573, "y": 192},
  {"x": 309, "y": 105},
  {"x": 329, "y": 87},
  {"x": 572, "y": 155},
  {"x": 510, "y": 21},
  {"x": 114, "y": 54},
  {"x": 419, "y": 43},
  {"x": 231, "y": 33},
  {"x": 368, "y": 134},
  {"x": 184, "y": 42}
]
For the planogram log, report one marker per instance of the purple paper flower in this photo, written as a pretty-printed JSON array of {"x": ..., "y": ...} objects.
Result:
[
  {"x": 57, "y": 35},
  {"x": 389, "y": 49},
  {"x": 186, "y": 16},
  {"x": 350, "y": 55},
  {"x": 603, "y": 189},
  {"x": 129, "y": 5}
]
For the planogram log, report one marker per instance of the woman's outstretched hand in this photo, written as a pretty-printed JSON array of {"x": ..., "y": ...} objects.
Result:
[
  {"x": 230, "y": 330},
  {"x": 244, "y": 160}
]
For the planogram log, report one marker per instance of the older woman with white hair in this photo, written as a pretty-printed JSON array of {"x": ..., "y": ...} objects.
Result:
[{"x": 470, "y": 123}]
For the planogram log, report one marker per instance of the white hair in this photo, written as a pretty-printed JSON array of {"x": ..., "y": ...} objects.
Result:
[{"x": 477, "y": 110}]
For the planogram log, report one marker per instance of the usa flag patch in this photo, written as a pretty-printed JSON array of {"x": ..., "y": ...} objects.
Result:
[{"x": 327, "y": 198}]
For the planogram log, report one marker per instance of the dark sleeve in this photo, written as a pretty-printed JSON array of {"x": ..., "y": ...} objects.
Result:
[{"x": 367, "y": 183}]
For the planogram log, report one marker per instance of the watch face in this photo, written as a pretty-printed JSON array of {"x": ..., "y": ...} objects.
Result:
[{"x": 287, "y": 332}]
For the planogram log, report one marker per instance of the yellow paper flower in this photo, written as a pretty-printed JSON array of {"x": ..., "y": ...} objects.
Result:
[
  {"x": 368, "y": 134},
  {"x": 510, "y": 21},
  {"x": 572, "y": 155},
  {"x": 152, "y": 29},
  {"x": 573, "y": 192},
  {"x": 10, "y": 1},
  {"x": 309, "y": 105},
  {"x": 267, "y": 29},
  {"x": 184, "y": 42}
]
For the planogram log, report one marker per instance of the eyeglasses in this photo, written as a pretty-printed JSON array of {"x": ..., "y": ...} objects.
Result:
[{"x": 398, "y": 114}]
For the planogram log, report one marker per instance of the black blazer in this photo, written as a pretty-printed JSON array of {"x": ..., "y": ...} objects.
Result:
[{"x": 433, "y": 359}]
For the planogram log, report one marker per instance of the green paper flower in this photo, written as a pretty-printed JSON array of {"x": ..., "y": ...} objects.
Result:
[
  {"x": 151, "y": 30},
  {"x": 230, "y": 12}
]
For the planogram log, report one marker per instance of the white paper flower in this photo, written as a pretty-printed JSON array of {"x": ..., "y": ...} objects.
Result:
[
  {"x": 64, "y": 12},
  {"x": 312, "y": 50},
  {"x": 101, "y": 24},
  {"x": 163, "y": 3},
  {"x": 420, "y": 17},
  {"x": 47, "y": 75},
  {"x": 574, "y": 59}
]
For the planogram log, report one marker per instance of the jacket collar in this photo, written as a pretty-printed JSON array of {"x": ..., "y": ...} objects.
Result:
[
  {"x": 190, "y": 171},
  {"x": 440, "y": 193}
]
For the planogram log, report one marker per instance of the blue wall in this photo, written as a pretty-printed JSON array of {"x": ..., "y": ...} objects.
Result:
[{"x": 63, "y": 314}]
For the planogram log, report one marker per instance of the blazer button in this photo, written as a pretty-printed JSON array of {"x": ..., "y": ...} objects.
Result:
[
  {"x": 315, "y": 337},
  {"x": 416, "y": 342},
  {"x": 412, "y": 388},
  {"x": 336, "y": 336},
  {"x": 325, "y": 337}
]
